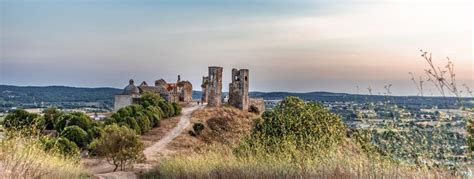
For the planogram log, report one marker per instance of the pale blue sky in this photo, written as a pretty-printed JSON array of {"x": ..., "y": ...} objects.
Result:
[{"x": 287, "y": 45}]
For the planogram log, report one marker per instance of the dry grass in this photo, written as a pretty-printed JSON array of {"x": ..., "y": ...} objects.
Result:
[
  {"x": 22, "y": 157},
  {"x": 223, "y": 126},
  {"x": 211, "y": 155},
  {"x": 157, "y": 133},
  {"x": 347, "y": 162}
]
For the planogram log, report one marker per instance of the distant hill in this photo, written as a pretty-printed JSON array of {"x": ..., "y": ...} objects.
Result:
[
  {"x": 72, "y": 97},
  {"x": 63, "y": 96}
]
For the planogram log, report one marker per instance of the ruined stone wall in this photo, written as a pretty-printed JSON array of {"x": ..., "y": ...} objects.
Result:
[
  {"x": 239, "y": 89},
  {"x": 122, "y": 101},
  {"x": 173, "y": 97},
  {"x": 186, "y": 91},
  {"x": 214, "y": 87},
  {"x": 259, "y": 103},
  {"x": 205, "y": 91}
]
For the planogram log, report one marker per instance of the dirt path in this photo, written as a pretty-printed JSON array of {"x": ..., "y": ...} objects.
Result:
[{"x": 152, "y": 153}]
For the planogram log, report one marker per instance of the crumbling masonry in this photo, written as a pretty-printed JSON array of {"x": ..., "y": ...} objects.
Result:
[
  {"x": 205, "y": 91},
  {"x": 239, "y": 89},
  {"x": 213, "y": 92}
]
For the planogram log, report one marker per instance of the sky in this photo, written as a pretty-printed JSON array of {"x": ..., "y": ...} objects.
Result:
[{"x": 288, "y": 45}]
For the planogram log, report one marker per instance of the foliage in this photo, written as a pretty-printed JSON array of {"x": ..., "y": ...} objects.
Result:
[
  {"x": 120, "y": 146},
  {"x": 254, "y": 109},
  {"x": 167, "y": 108},
  {"x": 294, "y": 123},
  {"x": 62, "y": 144},
  {"x": 76, "y": 134},
  {"x": 197, "y": 129},
  {"x": 21, "y": 119},
  {"x": 25, "y": 157},
  {"x": 134, "y": 117},
  {"x": 95, "y": 132},
  {"x": 155, "y": 114},
  {"x": 176, "y": 108},
  {"x": 51, "y": 117},
  {"x": 145, "y": 115},
  {"x": 70, "y": 119}
]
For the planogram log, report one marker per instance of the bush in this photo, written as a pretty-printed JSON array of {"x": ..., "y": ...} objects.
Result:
[
  {"x": 254, "y": 109},
  {"x": 144, "y": 123},
  {"x": 51, "y": 117},
  {"x": 309, "y": 127},
  {"x": 120, "y": 146},
  {"x": 154, "y": 114},
  {"x": 71, "y": 119},
  {"x": 95, "y": 132},
  {"x": 76, "y": 135},
  {"x": 167, "y": 109},
  {"x": 62, "y": 144},
  {"x": 197, "y": 129},
  {"x": 177, "y": 109},
  {"x": 21, "y": 120},
  {"x": 150, "y": 99}
]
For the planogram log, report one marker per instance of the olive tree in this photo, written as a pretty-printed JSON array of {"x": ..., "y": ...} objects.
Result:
[{"x": 119, "y": 145}]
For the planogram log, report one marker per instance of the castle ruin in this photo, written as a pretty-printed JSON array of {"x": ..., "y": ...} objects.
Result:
[
  {"x": 239, "y": 89},
  {"x": 181, "y": 91},
  {"x": 213, "y": 89},
  {"x": 205, "y": 81}
]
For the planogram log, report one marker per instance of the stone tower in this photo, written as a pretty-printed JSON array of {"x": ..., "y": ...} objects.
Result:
[
  {"x": 239, "y": 89},
  {"x": 205, "y": 91},
  {"x": 214, "y": 87}
]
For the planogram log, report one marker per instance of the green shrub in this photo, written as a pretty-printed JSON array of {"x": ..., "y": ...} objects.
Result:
[
  {"x": 76, "y": 135},
  {"x": 154, "y": 114},
  {"x": 254, "y": 109},
  {"x": 95, "y": 132},
  {"x": 120, "y": 146},
  {"x": 167, "y": 109},
  {"x": 20, "y": 119},
  {"x": 62, "y": 144},
  {"x": 308, "y": 127},
  {"x": 144, "y": 123},
  {"x": 150, "y": 99},
  {"x": 177, "y": 109},
  {"x": 51, "y": 117},
  {"x": 71, "y": 119},
  {"x": 197, "y": 129}
]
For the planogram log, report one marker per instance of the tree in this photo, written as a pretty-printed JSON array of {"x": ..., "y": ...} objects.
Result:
[
  {"x": 120, "y": 146},
  {"x": 76, "y": 135},
  {"x": 167, "y": 108},
  {"x": 155, "y": 114},
  {"x": 62, "y": 144},
  {"x": 177, "y": 108},
  {"x": 150, "y": 99},
  {"x": 51, "y": 117},
  {"x": 95, "y": 132},
  {"x": 294, "y": 123},
  {"x": 78, "y": 119},
  {"x": 20, "y": 120}
]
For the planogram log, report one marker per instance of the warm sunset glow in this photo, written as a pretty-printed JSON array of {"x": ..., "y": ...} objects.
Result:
[{"x": 305, "y": 46}]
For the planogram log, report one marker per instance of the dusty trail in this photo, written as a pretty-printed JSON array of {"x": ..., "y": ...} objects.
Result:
[{"x": 152, "y": 152}]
